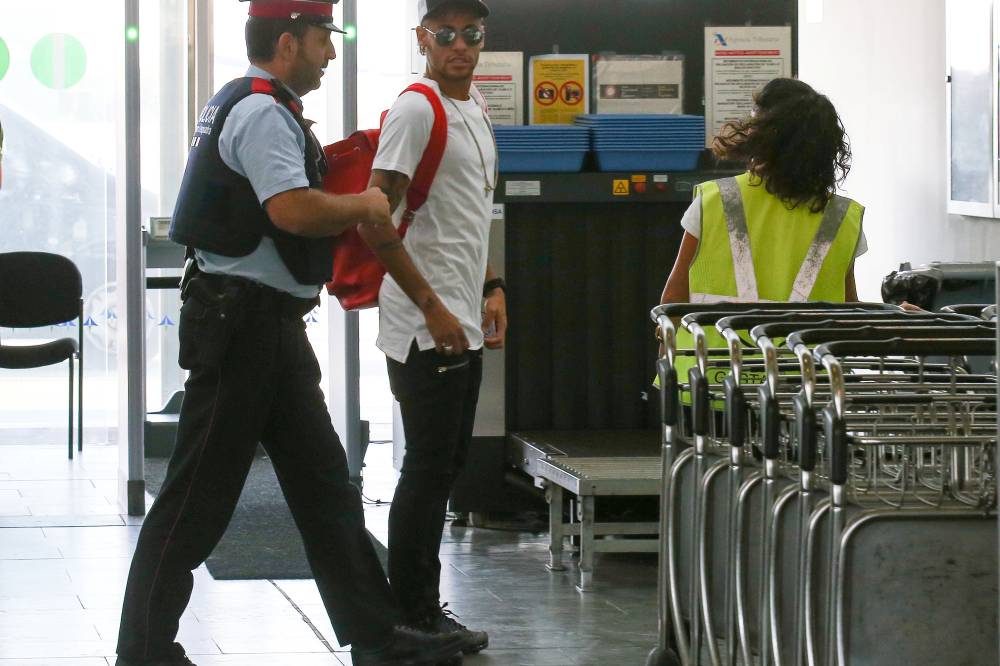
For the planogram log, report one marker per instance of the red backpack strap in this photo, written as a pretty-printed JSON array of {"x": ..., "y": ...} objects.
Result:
[
  {"x": 282, "y": 96},
  {"x": 423, "y": 177}
]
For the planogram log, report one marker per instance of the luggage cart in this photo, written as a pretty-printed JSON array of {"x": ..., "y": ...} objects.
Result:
[
  {"x": 910, "y": 466},
  {"x": 678, "y": 597},
  {"x": 779, "y": 477}
]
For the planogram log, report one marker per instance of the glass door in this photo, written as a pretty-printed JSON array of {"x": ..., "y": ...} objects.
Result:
[{"x": 58, "y": 110}]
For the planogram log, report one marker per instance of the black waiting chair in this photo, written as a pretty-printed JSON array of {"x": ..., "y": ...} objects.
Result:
[{"x": 43, "y": 289}]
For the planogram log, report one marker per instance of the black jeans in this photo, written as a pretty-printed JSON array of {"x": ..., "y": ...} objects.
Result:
[
  {"x": 254, "y": 378},
  {"x": 437, "y": 396}
]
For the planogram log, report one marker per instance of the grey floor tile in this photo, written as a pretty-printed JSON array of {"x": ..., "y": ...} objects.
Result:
[
  {"x": 54, "y": 488},
  {"x": 53, "y": 649},
  {"x": 75, "y": 566},
  {"x": 321, "y": 622},
  {"x": 38, "y": 602},
  {"x": 67, "y": 520},
  {"x": 116, "y": 541},
  {"x": 324, "y": 659},
  {"x": 26, "y": 544},
  {"x": 35, "y": 625},
  {"x": 95, "y": 661},
  {"x": 522, "y": 657}
]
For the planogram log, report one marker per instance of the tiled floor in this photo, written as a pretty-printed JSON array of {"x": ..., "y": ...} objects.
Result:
[{"x": 64, "y": 556}]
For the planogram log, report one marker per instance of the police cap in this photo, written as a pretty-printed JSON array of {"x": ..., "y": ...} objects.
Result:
[{"x": 316, "y": 12}]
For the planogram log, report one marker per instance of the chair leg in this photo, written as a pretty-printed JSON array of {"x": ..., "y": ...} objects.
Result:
[
  {"x": 71, "y": 387},
  {"x": 79, "y": 402}
]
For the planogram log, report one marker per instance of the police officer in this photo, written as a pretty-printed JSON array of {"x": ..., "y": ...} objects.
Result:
[{"x": 260, "y": 231}]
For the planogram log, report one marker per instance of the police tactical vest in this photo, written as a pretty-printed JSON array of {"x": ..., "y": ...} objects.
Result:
[{"x": 217, "y": 209}]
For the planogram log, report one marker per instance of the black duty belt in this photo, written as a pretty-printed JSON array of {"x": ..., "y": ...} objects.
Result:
[{"x": 208, "y": 286}]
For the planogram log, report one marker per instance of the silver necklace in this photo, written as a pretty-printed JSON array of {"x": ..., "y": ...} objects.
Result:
[{"x": 482, "y": 158}]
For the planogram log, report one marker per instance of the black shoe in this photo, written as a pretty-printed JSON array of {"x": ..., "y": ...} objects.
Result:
[
  {"x": 454, "y": 661},
  {"x": 443, "y": 621},
  {"x": 407, "y": 646},
  {"x": 172, "y": 661}
]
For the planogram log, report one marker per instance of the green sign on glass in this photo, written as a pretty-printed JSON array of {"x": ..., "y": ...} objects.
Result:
[
  {"x": 4, "y": 59},
  {"x": 59, "y": 61}
]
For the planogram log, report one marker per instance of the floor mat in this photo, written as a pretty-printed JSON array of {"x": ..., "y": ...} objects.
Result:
[{"x": 262, "y": 541}]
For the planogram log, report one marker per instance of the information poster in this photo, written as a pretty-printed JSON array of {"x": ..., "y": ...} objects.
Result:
[
  {"x": 638, "y": 83},
  {"x": 500, "y": 77},
  {"x": 559, "y": 86},
  {"x": 739, "y": 62}
]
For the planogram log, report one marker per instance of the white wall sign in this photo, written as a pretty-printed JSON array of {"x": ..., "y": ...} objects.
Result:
[
  {"x": 500, "y": 77},
  {"x": 639, "y": 83},
  {"x": 739, "y": 62}
]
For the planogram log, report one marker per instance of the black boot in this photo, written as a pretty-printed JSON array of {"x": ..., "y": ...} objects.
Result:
[
  {"x": 407, "y": 646},
  {"x": 177, "y": 657},
  {"x": 443, "y": 621}
]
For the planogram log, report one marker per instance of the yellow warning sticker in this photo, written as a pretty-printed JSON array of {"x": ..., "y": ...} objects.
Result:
[{"x": 621, "y": 188}]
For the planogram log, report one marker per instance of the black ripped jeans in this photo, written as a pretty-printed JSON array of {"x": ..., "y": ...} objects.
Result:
[
  {"x": 437, "y": 396},
  {"x": 254, "y": 378}
]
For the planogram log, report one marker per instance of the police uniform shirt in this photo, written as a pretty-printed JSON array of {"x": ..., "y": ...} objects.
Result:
[
  {"x": 262, "y": 142},
  {"x": 448, "y": 239}
]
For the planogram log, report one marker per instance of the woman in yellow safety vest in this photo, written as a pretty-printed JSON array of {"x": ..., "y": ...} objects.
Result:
[{"x": 778, "y": 232}]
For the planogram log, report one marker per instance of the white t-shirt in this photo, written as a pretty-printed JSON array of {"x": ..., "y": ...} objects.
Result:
[
  {"x": 449, "y": 237},
  {"x": 692, "y": 224}
]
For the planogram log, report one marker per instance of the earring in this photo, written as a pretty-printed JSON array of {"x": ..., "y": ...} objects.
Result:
[{"x": 423, "y": 50}]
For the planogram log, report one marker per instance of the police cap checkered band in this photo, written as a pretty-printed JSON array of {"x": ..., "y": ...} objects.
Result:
[{"x": 316, "y": 12}]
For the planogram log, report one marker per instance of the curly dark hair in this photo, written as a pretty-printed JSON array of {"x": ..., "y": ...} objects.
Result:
[{"x": 794, "y": 143}]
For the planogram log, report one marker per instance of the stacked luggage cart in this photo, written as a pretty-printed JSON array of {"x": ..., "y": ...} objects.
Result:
[{"x": 829, "y": 486}]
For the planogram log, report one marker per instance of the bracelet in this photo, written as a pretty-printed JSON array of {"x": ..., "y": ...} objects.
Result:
[{"x": 495, "y": 283}]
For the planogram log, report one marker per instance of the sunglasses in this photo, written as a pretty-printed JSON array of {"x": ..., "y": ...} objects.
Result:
[{"x": 472, "y": 35}]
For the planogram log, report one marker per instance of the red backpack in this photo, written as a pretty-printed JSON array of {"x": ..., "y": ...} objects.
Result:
[{"x": 357, "y": 273}]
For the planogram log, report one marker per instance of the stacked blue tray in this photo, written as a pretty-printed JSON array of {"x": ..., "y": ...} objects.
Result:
[
  {"x": 542, "y": 148},
  {"x": 624, "y": 142}
]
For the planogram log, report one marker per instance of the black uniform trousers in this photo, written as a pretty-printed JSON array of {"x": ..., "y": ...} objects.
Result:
[
  {"x": 437, "y": 396},
  {"x": 254, "y": 378}
]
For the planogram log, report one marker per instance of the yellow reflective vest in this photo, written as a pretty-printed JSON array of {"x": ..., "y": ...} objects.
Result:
[{"x": 753, "y": 248}]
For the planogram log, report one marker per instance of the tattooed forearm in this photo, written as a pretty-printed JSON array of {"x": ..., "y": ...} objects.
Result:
[
  {"x": 393, "y": 196},
  {"x": 388, "y": 245},
  {"x": 393, "y": 184}
]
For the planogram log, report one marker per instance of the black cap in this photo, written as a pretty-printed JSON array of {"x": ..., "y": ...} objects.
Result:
[
  {"x": 315, "y": 12},
  {"x": 426, "y": 8}
]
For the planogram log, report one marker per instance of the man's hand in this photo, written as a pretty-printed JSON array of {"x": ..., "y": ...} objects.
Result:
[
  {"x": 444, "y": 327},
  {"x": 376, "y": 206},
  {"x": 495, "y": 320},
  {"x": 910, "y": 307}
]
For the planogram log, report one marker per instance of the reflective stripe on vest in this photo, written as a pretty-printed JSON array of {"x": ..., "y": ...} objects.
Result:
[{"x": 742, "y": 257}]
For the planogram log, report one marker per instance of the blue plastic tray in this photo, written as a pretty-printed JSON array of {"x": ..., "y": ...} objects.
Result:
[
  {"x": 542, "y": 161},
  {"x": 653, "y": 120},
  {"x": 613, "y": 117},
  {"x": 647, "y": 160},
  {"x": 647, "y": 132},
  {"x": 640, "y": 141}
]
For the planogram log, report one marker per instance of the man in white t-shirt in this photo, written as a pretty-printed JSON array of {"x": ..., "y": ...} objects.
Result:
[{"x": 440, "y": 303}]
